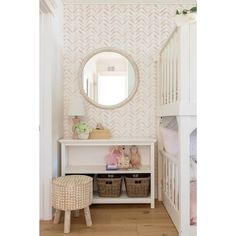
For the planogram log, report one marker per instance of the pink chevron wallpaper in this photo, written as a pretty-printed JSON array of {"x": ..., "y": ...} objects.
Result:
[{"x": 140, "y": 30}]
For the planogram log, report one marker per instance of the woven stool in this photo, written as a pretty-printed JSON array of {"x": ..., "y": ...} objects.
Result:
[{"x": 70, "y": 193}]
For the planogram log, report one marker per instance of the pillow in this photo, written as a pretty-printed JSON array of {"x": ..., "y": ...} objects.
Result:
[
  {"x": 170, "y": 140},
  {"x": 169, "y": 122},
  {"x": 193, "y": 143},
  {"x": 193, "y": 168}
]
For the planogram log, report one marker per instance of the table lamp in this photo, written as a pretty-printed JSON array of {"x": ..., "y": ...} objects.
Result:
[{"x": 76, "y": 110}]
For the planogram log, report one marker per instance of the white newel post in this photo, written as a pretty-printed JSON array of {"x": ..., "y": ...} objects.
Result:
[{"x": 184, "y": 174}]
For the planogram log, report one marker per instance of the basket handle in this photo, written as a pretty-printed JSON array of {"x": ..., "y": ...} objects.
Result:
[
  {"x": 137, "y": 181},
  {"x": 108, "y": 182}
]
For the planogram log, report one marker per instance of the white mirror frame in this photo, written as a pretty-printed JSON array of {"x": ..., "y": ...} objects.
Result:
[{"x": 136, "y": 73}]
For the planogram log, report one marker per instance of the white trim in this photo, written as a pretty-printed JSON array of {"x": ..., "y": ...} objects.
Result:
[
  {"x": 190, "y": 2},
  {"x": 45, "y": 119},
  {"x": 177, "y": 108}
]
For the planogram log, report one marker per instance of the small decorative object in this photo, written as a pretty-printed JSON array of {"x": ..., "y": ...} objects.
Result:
[
  {"x": 123, "y": 160},
  {"x": 112, "y": 158},
  {"x": 100, "y": 132},
  {"x": 135, "y": 159},
  {"x": 117, "y": 159},
  {"x": 82, "y": 130},
  {"x": 185, "y": 16},
  {"x": 76, "y": 110}
]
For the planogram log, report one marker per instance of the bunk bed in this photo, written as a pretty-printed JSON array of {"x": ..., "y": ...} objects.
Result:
[{"x": 177, "y": 98}]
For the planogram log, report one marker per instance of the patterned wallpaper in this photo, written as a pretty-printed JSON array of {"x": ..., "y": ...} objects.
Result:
[{"x": 139, "y": 30}]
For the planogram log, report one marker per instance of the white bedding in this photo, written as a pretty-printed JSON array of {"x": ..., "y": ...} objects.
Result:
[
  {"x": 170, "y": 141},
  {"x": 193, "y": 143},
  {"x": 171, "y": 144}
]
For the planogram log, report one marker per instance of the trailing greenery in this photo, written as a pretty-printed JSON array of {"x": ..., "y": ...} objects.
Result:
[{"x": 186, "y": 11}]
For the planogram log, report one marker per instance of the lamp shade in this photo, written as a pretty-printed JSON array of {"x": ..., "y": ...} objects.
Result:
[{"x": 76, "y": 106}]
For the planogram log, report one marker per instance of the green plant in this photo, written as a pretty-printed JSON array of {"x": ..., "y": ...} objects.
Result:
[
  {"x": 82, "y": 128},
  {"x": 186, "y": 11}
]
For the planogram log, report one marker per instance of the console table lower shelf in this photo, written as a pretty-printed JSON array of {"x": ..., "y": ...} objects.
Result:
[
  {"x": 120, "y": 200},
  {"x": 88, "y": 157}
]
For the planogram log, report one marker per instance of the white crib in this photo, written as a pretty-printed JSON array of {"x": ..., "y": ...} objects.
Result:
[{"x": 178, "y": 98}]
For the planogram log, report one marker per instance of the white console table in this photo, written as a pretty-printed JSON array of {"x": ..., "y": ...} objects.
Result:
[{"x": 88, "y": 157}]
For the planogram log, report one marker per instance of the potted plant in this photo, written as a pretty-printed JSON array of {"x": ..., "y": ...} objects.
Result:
[
  {"x": 82, "y": 130},
  {"x": 184, "y": 16}
]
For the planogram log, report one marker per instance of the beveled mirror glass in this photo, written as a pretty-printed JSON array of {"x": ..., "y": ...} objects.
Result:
[{"x": 109, "y": 78}]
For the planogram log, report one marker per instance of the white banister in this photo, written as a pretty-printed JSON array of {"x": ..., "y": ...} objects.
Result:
[
  {"x": 183, "y": 63},
  {"x": 178, "y": 67},
  {"x": 193, "y": 62}
]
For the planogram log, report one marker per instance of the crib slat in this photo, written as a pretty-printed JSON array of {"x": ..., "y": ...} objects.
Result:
[
  {"x": 164, "y": 76},
  {"x": 171, "y": 70},
  {"x": 169, "y": 179},
  {"x": 177, "y": 67},
  {"x": 177, "y": 187},
  {"x": 174, "y": 201},
  {"x": 162, "y": 79},
  {"x": 167, "y": 73},
  {"x": 164, "y": 172},
  {"x": 173, "y": 183},
  {"x": 174, "y": 68}
]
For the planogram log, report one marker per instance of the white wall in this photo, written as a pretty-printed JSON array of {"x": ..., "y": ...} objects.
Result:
[
  {"x": 137, "y": 29},
  {"x": 51, "y": 98}
]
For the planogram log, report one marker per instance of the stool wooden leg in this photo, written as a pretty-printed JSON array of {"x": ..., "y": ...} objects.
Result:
[
  {"x": 57, "y": 216},
  {"x": 76, "y": 213},
  {"x": 67, "y": 222},
  {"x": 87, "y": 216}
]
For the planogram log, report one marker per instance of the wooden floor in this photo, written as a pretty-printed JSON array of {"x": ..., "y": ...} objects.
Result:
[{"x": 117, "y": 220}]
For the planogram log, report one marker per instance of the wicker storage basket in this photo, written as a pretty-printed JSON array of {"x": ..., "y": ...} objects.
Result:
[
  {"x": 100, "y": 134},
  {"x": 137, "y": 185},
  {"x": 109, "y": 185}
]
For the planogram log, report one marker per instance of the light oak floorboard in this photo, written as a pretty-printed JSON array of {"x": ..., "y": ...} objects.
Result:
[{"x": 116, "y": 220}]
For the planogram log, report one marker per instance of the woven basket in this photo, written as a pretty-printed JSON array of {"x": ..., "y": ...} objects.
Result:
[
  {"x": 137, "y": 185},
  {"x": 109, "y": 185},
  {"x": 100, "y": 134}
]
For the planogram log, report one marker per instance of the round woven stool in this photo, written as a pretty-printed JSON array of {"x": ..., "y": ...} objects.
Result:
[{"x": 70, "y": 193}]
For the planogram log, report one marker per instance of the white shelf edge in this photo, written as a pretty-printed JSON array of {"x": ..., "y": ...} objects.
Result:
[
  {"x": 102, "y": 170},
  {"x": 107, "y": 142},
  {"x": 120, "y": 200}
]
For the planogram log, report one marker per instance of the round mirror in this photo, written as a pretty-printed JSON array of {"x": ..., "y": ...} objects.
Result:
[{"x": 109, "y": 78}]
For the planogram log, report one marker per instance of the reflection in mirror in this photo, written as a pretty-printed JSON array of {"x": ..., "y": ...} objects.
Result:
[{"x": 108, "y": 78}]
